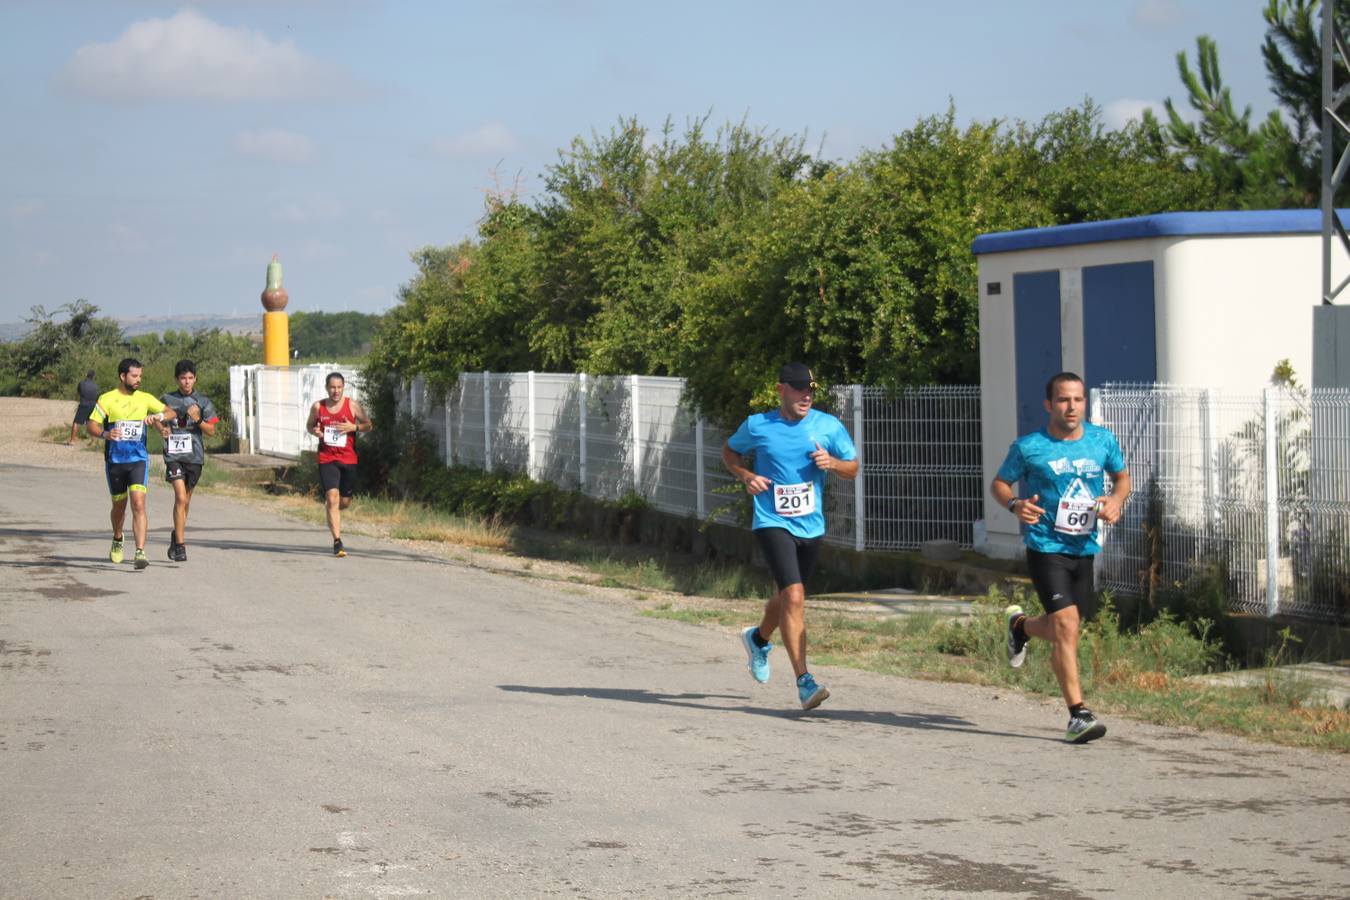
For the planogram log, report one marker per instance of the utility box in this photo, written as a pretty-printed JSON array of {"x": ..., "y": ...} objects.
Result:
[
  {"x": 1331, "y": 347},
  {"x": 1212, "y": 299}
]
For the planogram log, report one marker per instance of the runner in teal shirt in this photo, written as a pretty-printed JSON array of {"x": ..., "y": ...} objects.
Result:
[
  {"x": 1066, "y": 475},
  {"x": 1063, "y": 506}
]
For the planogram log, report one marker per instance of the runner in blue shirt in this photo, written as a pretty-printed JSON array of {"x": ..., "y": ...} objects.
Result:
[
  {"x": 1062, "y": 468},
  {"x": 794, "y": 446}
]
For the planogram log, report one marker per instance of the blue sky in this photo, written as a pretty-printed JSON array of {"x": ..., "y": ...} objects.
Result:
[{"x": 155, "y": 155}]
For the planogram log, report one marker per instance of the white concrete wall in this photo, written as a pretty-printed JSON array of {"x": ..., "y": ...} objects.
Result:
[{"x": 1230, "y": 308}]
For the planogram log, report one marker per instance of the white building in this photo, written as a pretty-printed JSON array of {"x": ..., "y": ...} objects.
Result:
[{"x": 1213, "y": 299}]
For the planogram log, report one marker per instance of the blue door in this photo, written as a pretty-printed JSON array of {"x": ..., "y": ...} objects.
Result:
[
  {"x": 1036, "y": 343},
  {"x": 1120, "y": 338}
]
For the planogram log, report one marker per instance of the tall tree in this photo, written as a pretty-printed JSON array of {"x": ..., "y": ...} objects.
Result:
[{"x": 1277, "y": 163}]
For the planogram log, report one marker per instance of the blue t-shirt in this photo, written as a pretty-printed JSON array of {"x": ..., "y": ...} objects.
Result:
[
  {"x": 1062, "y": 473},
  {"x": 782, "y": 455}
]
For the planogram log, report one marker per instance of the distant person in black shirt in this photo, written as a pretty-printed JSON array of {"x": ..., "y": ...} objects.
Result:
[{"x": 88, "y": 391}]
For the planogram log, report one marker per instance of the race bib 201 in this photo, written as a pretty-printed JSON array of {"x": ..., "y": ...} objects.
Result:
[{"x": 794, "y": 499}]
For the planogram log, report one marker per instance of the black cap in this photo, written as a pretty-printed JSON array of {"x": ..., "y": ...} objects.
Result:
[{"x": 798, "y": 376}]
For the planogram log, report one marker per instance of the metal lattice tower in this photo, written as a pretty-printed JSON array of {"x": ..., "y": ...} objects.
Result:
[{"x": 1332, "y": 178}]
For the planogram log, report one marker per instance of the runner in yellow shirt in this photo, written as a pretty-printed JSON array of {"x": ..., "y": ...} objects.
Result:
[{"x": 122, "y": 417}]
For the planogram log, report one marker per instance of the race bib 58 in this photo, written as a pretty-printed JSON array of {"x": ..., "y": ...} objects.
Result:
[{"x": 130, "y": 430}]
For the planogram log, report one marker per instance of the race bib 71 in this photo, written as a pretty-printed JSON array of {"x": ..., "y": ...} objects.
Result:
[{"x": 180, "y": 443}]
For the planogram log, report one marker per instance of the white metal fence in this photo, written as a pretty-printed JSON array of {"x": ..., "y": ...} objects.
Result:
[
  {"x": 1207, "y": 495},
  {"x": 270, "y": 404},
  {"x": 608, "y": 436},
  {"x": 1253, "y": 489}
]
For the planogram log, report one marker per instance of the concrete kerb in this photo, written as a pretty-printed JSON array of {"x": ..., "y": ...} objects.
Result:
[{"x": 1327, "y": 684}]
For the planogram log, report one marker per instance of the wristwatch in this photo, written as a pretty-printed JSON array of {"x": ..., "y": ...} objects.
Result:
[{"x": 1012, "y": 503}]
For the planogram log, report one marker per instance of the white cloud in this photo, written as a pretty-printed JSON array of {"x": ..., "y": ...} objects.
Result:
[
  {"x": 27, "y": 209},
  {"x": 125, "y": 238},
  {"x": 189, "y": 57},
  {"x": 275, "y": 145},
  {"x": 313, "y": 210},
  {"x": 1155, "y": 14},
  {"x": 492, "y": 139},
  {"x": 316, "y": 251},
  {"x": 375, "y": 293},
  {"x": 1118, "y": 113}
]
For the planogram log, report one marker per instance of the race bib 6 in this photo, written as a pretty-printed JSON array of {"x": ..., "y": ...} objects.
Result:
[{"x": 333, "y": 437}]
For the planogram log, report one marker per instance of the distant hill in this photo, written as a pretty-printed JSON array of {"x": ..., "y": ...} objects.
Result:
[{"x": 246, "y": 325}]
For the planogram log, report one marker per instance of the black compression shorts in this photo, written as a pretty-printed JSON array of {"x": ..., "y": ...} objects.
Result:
[
  {"x": 340, "y": 477},
  {"x": 1062, "y": 581},
  {"x": 791, "y": 559},
  {"x": 125, "y": 477}
]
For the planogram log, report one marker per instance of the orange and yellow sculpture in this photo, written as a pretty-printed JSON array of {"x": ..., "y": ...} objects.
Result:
[{"x": 276, "y": 327}]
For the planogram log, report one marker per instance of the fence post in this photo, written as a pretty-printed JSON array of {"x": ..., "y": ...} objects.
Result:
[
  {"x": 414, "y": 388},
  {"x": 487, "y": 425},
  {"x": 1210, "y": 439},
  {"x": 700, "y": 506},
  {"x": 859, "y": 495},
  {"x": 634, "y": 401},
  {"x": 1271, "y": 466},
  {"x": 581, "y": 436},
  {"x": 449, "y": 429},
  {"x": 254, "y": 426},
  {"x": 529, "y": 424}
]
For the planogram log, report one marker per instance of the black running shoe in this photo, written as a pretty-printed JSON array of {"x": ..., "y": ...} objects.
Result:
[
  {"x": 173, "y": 552},
  {"x": 180, "y": 554},
  {"x": 338, "y": 549},
  {"x": 1084, "y": 727}
]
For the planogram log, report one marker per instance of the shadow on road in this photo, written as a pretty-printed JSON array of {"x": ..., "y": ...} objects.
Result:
[
  {"x": 914, "y": 721},
  {"x": 159, "y": 536}
]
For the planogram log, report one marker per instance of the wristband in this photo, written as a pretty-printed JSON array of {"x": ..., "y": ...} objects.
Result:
[{"x": 1012, "y": 503}]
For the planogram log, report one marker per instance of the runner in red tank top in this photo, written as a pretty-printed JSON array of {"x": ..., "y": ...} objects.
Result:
[{"x": 335, "y": 422}]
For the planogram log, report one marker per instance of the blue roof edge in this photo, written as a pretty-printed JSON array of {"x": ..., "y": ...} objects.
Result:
[{"x": 1172, "y": 224}]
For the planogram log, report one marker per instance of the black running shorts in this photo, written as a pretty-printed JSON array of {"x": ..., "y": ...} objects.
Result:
[
  {"x": 186, "y": 472},
  {"x": 125, "y": 477},
  {"x": 82, "y": 413},
  {"x": 791, "y": 559},
  {"x": 340, "y": 477},
  {"x": 1062, "y": 581}
]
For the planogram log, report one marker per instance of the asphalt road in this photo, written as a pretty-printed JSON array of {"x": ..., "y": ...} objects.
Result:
[{"x": 267, "y": 721}]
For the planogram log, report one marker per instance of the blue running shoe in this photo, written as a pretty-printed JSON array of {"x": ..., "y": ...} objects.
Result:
[
  {"x": 759, "y": 656},
  {"x": 810, "y": 693}
]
